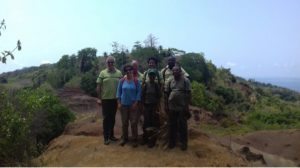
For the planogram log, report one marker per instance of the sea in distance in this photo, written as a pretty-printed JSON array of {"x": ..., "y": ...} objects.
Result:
[{"x": 290, "y": 83}]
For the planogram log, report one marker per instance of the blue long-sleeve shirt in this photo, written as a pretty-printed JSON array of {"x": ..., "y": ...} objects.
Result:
[{"x": 129, "y": 92}]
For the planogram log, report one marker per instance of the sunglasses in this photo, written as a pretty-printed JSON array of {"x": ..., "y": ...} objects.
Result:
[{"x": 110, "y": 62}]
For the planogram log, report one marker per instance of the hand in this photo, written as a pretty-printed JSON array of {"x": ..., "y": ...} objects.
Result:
[
  {"x": 188, "y": 115},
  {"x": 119, "y": 105},
  {"x": 99, "y": 101},
  {"x": 134, "y": 105}
]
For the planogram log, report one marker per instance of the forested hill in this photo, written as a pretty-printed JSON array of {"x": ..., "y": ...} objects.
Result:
[
  {"x": 235, "y": 104},
  {"x": 80, "y": 70}
]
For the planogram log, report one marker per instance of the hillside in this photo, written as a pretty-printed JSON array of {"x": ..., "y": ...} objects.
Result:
[
  {"x": 81, "y": 144},
  {"x": 229, "y": 114}
]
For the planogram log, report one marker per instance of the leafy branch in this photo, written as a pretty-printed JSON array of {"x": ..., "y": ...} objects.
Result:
[{"x": 7, "y": 53}]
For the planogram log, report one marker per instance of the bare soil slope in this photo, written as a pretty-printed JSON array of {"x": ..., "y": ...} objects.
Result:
[{"x": 82, "y": 144}]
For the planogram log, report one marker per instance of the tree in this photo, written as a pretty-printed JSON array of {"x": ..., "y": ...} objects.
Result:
[
  {"x": 115, "y": 47},
  {"x": 195, "y": 65},
  {"x": 151, "y": 41},
  {"x": 7, "y": 53},
  {"x": 137, "y": 45},
  {"x": 86, "y": 57}
]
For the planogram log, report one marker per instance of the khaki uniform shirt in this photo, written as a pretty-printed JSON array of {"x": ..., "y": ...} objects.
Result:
[
  {"x": 179, "y": 96},
  {"x": 167, "y": 74}
]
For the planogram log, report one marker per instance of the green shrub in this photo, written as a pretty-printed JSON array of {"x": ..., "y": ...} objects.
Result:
[
  {"x": 205, "y": 99},
  {"x": 198, "y": 94},
  {"x": 226, "y": 93},
  {"x": 269, "y": 120},
  {"x": 88, "y": 83},
  {"x": 29, "y": 120}
]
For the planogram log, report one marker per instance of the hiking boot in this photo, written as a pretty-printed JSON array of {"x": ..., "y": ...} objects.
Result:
[
  {"x": 135, "y": 144},
  {"x": 151, "y": 145},
  {"x": 183, "y": 147},
  {"x": 144, "y": 142},
  {"x": 113, "y": 138},
  {"x": 106, "y": 142},
  {"x": 171, "y": 146},
  {"x": 124, "y": 141}
]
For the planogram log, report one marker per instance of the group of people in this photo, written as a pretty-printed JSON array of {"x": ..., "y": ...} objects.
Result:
[{"x": 140, "y": 95}]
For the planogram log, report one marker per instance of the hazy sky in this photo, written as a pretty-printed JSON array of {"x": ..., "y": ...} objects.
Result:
[{"x": 255, "y": 38}]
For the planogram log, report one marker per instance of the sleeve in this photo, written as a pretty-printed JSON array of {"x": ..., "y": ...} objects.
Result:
[
  {"x": 189, "y": 89},
  {"x": 119, "y": 74},
  {"x": 119, "y": 90},
  {"x": 139, "y": 91},
  {"x": 188, "y": 85},
  {"x": 144, "y": 76},
  {"x": 161, "y": 81},
  {"x": 140, "y": 76},
  {"x": 167, "y": 87},
  {"x": 100, "y": 78},
  {"x": 185, "y": 73}
]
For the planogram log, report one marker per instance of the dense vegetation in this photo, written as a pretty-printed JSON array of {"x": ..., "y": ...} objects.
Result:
[
  {"x": 29, "y": 118},
  {"x": 36, "y": 116}
]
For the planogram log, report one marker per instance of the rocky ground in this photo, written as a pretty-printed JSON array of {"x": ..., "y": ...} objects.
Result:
[{"x": 81, "y": 144}]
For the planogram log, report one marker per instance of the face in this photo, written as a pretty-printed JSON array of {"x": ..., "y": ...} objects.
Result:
[
  {"x": 110, "y": 64},
  {"x": 128, "y": 71},
  {"x": 171, "y": 62},
  {"x": 135, "y": 65},
  {"x": 176, "y": 71},
  {"x": 151, "y": 64}
]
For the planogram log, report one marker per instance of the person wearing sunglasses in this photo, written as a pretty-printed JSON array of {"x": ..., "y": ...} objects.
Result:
[
  {"x": 107, "y": 87},
  {"x": 129, "y": 94}
]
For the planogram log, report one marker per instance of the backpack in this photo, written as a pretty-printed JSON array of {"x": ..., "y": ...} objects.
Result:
[
  {"x": 157, "y": 90},
  {"x": 145, "y": 77}
]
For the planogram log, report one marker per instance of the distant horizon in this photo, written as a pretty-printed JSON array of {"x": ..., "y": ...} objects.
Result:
[{"x": 292, "y": 83}]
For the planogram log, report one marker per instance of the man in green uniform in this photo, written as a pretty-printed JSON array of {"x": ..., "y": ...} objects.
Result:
[
  {"x": 167, "y": 73},
  {"x": 178, "y": 91},
  {"x": 107, "y": 81}
]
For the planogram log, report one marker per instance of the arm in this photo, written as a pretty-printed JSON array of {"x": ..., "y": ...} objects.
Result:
[
  {"x": 98, "y": 90},
  {"x": 119, "y": 91},
  {"x": 138, "y": 95},
  {"x": 188, "y": 98},
  {"x": 99, "y": 85}
]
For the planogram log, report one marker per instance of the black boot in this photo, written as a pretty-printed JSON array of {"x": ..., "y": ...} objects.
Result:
[
  {"x": 183, "y": 147},
  {"x": 106, "y": 141},
  {"x": 135, "y": 143},
  {"x": 123, "y": 142}
]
